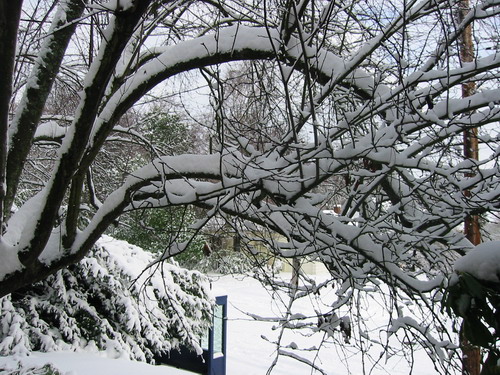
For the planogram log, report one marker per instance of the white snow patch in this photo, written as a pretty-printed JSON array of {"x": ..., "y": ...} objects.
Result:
[
  {"x": 114, "y": 5},
  {"x": 10, "y": 261},
  {"x": 248, "y": 353},
  {"x": 482, "y": 262},
  {"x": 50, "y": 130},
  {"x": 84, "y": 363}
]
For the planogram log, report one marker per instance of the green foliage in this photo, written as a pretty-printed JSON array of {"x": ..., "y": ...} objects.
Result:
[
  {"x": 478, "y": 303},
  {"x": 87, "y": 324},
  {"x": 166, "y": 132},
  {"x": 156, "y": 229}
]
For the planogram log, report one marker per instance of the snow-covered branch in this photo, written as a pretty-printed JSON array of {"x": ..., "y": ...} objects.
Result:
[{"x": 322, "y": 131}]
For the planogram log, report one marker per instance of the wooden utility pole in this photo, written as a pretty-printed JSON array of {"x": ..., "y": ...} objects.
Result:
[{"x": 471, "y": 355}]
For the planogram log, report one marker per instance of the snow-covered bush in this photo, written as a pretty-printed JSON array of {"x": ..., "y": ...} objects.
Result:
[
  {"x": 226, "y": 262},
  {"x": 107, "y": 301},
  {"x": 47, "y": 369}
]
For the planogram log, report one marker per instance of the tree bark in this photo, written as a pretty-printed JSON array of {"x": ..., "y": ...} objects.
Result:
[
  {"x": 10, "y": 12},
  {"x": 69, "y": 161},
  {"x": 471, "y": 355},
  {"x": 28, "y": 115}
]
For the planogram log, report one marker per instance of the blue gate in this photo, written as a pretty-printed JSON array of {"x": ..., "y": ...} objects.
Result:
[
  {"x": 214, "y": 345},
  {"x": 217, "y": 339}
]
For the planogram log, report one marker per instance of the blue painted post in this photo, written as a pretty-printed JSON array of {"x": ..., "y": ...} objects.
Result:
[{"x": 218, "y": 339}]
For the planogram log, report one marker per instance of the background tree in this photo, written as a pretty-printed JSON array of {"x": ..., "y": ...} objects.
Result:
[
  {"x": 365, "y": 98},
  {"x": 160, "y": 134}
]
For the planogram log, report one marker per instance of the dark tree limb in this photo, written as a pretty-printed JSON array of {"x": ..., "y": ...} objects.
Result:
[{"x": 10, "y": 12}]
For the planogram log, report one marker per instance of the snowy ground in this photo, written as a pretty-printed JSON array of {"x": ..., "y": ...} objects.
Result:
[{"x": 248, "y": 353}]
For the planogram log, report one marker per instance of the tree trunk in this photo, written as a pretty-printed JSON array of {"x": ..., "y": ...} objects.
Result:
[{"x": 471, "y": 355}]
